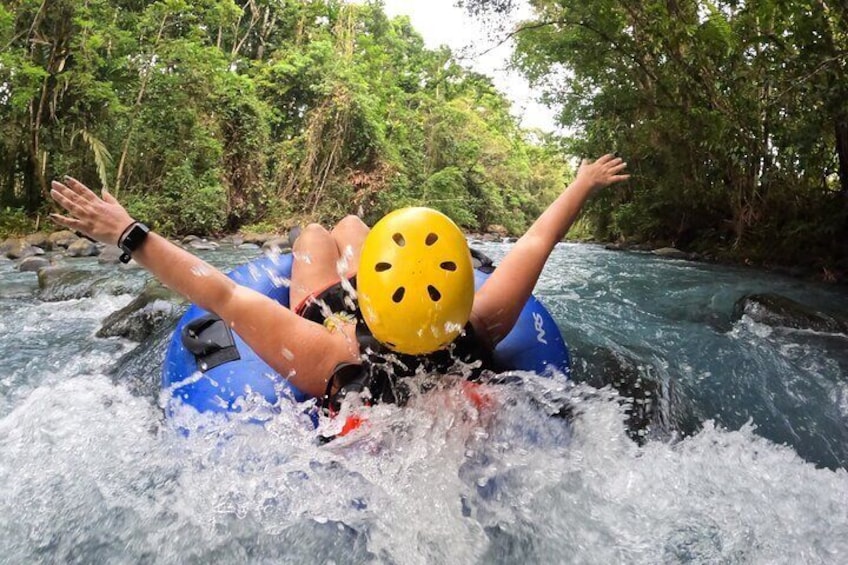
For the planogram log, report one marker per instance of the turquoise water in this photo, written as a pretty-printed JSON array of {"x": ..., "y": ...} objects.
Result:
[{"x": 743, "y": 461}]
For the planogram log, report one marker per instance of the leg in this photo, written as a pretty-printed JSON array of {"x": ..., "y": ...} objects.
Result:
[
  {"x": 349, "y": 235},
  {"x": 314, "y": 268}
]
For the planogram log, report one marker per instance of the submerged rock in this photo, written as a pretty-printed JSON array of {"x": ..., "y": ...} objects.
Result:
[
  {"x": 140, "y": 318},
  {"x": 779, "y": 311},
  {"x": 603, "y": 367},
  {"x": 33, "y": 264},
  {"x": 203, "y": 245},
  {"x": 64, "y": 282}
]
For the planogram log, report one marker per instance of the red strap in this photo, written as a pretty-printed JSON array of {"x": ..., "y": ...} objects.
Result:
[
  {"x": 353, "y": 422},
  {"x": 478, "y": 395}
]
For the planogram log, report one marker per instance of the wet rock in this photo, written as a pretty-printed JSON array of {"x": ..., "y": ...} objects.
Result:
[
  {"x": 234, "y": 240},
  {"x": 779, "y": 311},
  {"x": 497, "y": 229},
  {"x": 248, "y": 246},
  {"x": 203, "y": 245},
  {"x": 258, "y": 238},
  {"x": 139, "y": 368},
  {"x": 140, "y": 318},
  {"x": 64, "y": 282},
  {"x": 601, "y": 367},
  {"x": 62, "y": 238},
  {"x": 670, "y": 253},
  {"x": 188, "y": 239},
  {"x": 82, "y": 247},
  {"x": 20, "y": 249},
  {"x": 277, "y": 245},
  {"x": 110, "y": 255},
  {"x": 39, "y": 239},
  {"x": 33, "y": 264},
  {"x": 6, "y": 245}
]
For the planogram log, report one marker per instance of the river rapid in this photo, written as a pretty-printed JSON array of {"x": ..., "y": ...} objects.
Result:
[{"x": 740, "y": 455}]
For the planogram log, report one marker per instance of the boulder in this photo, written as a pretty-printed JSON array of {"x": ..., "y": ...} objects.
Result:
[
  {"x": 7, "y": 244},
  {"x": 64, "y": 282},
  {"x": 39, "y": 239},
  {"x": 110, "y": 255},
  {"x": 601, "y": 367},
  {"x": 670, "y": 253},
  {"x": 33, "y": 264},
  {"x": 62, "y": 238},
  {"x": 234, "y": 240},
  {"x": 257, "y": 238},
  {"x": 20, "y": 249},
  {"x": 203, "y": 245},
  {"x": 497, "y": 229},
  {"x": 277, "y": 245},
  {"x": 140, "y": 318},
  {"x": 778, "y": 311},
  {"x": 188, "y": 239},
  {"x": 82, "y": 248}
]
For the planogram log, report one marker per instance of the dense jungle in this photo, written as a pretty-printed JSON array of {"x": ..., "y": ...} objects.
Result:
[{"x": 222, "y": 115}]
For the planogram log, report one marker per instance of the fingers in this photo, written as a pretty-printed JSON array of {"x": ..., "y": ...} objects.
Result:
[
  {"x": 80, "y": 189},
  {"x": 107, "y": 197},
  {"x": 68, "y": 199},
  {"x": 72, "y": 223},
  {"x": 619, "y": 178}
]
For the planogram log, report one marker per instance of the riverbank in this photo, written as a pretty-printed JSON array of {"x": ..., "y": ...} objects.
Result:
[{"x": 40, "y": 249}]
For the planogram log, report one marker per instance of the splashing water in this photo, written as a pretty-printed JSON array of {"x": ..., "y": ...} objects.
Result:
[{"x": 93, "y": 472}]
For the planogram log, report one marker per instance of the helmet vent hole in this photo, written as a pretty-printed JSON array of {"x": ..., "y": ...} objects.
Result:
[
  {"x": 431, "y": 239},
  {"x": 398, "y": 295},
  {"x": 434, "y": 293},
  {"x": 381, "y": 267},
  {"x": 398, "y": 237},
  {"x": 448, "y": 266}
]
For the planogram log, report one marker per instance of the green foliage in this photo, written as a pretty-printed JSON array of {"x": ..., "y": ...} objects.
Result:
[
  {"x": 214, "y": 115},
  {"x": 14, "y": 222},
  {"x": 731, "y": 114}
]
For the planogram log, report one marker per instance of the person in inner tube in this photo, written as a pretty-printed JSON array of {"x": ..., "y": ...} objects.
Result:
[{"x": 415, "y": 281}]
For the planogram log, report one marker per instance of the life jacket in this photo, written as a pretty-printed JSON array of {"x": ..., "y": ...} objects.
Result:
[{"x": 386, "y": 374}]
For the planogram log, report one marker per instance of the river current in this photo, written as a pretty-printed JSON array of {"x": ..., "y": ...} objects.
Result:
[{"x": 742, "y": 456}]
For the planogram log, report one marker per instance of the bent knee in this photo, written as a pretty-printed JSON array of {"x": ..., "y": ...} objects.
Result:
[
  {"x": 311, "y": 234},
  {"x": 350, "y": 224}
]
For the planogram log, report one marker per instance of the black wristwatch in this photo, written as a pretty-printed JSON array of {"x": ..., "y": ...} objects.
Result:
[{"x": 131, "y": 240}]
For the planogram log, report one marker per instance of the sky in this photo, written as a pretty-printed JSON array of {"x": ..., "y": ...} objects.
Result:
[{"x": 441, "y": 23}]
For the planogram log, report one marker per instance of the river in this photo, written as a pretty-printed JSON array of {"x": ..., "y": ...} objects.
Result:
[{"x": 741, "y": 458}]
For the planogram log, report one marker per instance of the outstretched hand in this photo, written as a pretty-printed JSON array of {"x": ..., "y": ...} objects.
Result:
[
  {"x": 601, "y": 173},
  {"x": 102, "y": 219}
]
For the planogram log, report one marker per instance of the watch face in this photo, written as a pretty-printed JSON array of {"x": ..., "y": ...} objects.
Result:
[{"x": 134, "y": 238}]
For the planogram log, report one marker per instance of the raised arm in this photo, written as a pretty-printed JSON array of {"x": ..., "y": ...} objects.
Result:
[
  {"x": 301, "y": 350},
  {"x": 500, "y": 300}
]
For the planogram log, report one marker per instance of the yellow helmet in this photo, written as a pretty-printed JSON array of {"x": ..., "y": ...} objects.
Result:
[{"x": 415, "y": 281}]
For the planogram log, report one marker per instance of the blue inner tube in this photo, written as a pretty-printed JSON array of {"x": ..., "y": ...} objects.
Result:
[{"x": 211, "y": 368}]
